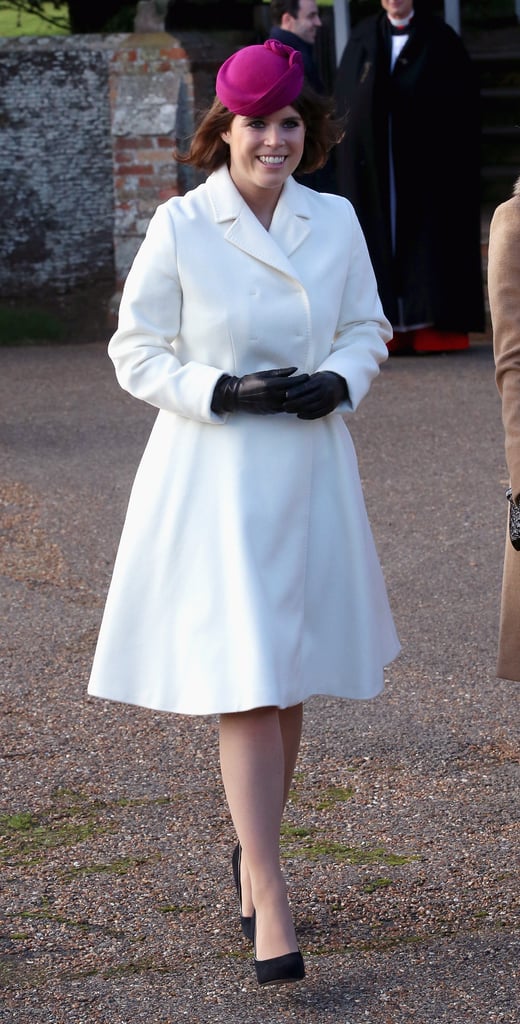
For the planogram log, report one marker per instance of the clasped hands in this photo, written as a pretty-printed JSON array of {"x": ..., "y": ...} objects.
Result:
[{"x": 308, "y": 396}]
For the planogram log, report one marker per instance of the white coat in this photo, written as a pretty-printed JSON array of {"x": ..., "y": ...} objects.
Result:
[{"x": 246, "y": 574}]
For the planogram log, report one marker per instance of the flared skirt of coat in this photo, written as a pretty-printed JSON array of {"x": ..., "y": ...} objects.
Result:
[{"x": 246, "y": 574}]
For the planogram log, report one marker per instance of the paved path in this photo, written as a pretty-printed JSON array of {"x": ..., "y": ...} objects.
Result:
[{"x": 399, "y": 845}]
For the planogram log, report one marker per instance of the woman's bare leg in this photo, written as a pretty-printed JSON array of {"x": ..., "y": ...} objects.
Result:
[
  {"x": 291, "y": 720},
  {"x": 258, "y": 752}
]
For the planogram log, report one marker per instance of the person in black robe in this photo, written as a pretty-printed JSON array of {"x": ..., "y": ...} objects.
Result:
[{"x": 410, "y": 164}]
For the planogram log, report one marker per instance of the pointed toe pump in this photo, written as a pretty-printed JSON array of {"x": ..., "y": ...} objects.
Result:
[
  {"x": 246, "y": 923},
  {"x": 279, "y": 970}
]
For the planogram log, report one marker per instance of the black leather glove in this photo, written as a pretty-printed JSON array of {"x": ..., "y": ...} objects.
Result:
[
  {"x": 321, "y": 393},
  {"x": 259, "y": 393}
]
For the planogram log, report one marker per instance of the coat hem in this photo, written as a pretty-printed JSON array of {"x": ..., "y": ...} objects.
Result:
[{"x": 227, "y": 711}]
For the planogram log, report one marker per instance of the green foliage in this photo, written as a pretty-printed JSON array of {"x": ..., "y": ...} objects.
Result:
[
  {"x": 58, "y": 17},
  {"x": 123, "y": 20},
  {"x": 28, "y": 326},
  {"x": 33, "y": 18}
]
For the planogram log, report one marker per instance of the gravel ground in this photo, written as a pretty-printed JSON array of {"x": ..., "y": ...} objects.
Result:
[{"x": 400, "y": 842}]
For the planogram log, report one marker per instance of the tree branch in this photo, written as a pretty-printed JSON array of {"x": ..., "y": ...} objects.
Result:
[{"x": 38, "y": 8}]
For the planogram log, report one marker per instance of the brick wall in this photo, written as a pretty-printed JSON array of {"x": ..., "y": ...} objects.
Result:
[{"x": 151, "y": 97}]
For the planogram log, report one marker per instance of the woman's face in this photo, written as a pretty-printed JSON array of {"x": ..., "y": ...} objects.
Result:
[{"x": 264, "y": 151}]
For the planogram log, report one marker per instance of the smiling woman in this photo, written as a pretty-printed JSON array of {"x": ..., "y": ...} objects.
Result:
[
  {"x": 247, "y": 579},
  {"x": 209, "y": 151},
  {"x": 263, "y": 152}
]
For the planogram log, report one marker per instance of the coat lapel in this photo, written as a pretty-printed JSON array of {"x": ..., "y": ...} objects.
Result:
[{"x": 289, "y": 228}]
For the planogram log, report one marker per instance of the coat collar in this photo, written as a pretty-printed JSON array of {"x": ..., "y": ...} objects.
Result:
[{"x": 289, "y": 228}]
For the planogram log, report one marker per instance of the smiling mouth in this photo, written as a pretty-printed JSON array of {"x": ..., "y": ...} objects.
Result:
[{"x": 272, "y": 161}]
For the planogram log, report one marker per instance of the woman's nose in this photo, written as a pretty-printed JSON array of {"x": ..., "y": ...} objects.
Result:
[{"x": 272, "y": 135}]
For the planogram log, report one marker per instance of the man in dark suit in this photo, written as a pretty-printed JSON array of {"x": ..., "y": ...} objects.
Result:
[
  {"x": 410, "y": 164},
  {"x": 296, "y": 23}
]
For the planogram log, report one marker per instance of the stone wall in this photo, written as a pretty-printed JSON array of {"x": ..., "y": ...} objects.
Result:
[
  {"x": 56, "y": 200},
  {"x": 87, "y": 130}
]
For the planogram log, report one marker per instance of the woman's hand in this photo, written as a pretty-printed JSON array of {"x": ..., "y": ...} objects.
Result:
[
  {"x": 317, "y": 397},
  {"x": 259, "y": 393}
]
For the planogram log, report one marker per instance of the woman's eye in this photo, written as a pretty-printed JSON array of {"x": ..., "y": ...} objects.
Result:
[
  {"x": 291, "y": 124},
  {"x": 256, "y": 124}
]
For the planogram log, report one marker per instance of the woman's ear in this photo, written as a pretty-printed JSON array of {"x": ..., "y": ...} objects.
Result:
[{"x": 225, "y": 137}]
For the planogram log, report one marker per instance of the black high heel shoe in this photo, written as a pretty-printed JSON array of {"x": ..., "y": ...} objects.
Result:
[
  {"x": 247, "y": 923},
  {"x": 279, "y": 969}
]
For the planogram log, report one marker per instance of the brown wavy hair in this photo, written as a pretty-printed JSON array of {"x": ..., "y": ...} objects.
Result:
[{"x": 208, "y": 151}]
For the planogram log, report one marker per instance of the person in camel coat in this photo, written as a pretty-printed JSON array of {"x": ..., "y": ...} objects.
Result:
[{"x": 504, "y": 303}]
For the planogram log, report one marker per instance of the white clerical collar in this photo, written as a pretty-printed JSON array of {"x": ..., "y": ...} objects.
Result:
[{"x": 401, "y": 22}]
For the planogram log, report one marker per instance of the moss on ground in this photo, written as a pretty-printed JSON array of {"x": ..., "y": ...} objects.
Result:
[
  {"x": 72, "y": 818},
  {"x": 308, "y": 843}
]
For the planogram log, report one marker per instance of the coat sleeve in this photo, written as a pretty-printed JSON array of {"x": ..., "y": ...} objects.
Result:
[
  {"x": 362, "y": 330},
  {"x": 143, "y": 347},
  {"x": 504, "y": 304}
]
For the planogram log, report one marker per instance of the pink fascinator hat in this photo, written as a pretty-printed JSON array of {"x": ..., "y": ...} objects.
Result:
[{"x": 258, "y": 80}]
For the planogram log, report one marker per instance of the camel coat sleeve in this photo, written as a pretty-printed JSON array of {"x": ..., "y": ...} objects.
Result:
[{"x": 504, "y": 302}]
